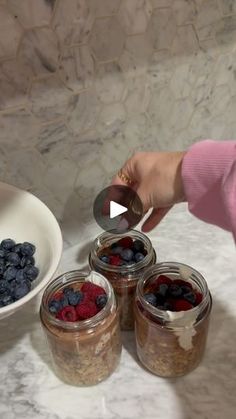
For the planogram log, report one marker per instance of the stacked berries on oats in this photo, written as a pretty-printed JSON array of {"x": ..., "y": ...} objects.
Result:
[
  {"x": 172, "y": 294},
  {"x": 124, "y": 252},
  {"x": 17, "y": 270},
  {"x": 72, "y": 305}
]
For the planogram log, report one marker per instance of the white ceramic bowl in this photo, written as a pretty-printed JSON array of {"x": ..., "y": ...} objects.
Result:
[{"x": 23, "y": 217}]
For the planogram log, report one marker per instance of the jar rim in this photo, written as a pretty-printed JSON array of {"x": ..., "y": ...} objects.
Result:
[
  {"x": 161, "y": 268},
  {"x": 105, "y": 236},
  {"x": 69, "y": 278}
]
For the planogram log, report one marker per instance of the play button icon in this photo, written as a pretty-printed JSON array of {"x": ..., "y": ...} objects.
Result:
[{"x": 117, "y": 209}]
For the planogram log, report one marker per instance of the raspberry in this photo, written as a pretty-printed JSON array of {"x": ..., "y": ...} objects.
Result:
[
  {"x": 92, "y": 291},
  {"x": 115, "y": 260},
  {"x": 182, "y": 305},
  {"x": 85, "y": 311},
  {"x": 199, "y": 297},
  {"x": 126, "y": 242},
  {"x": 162, "y": 279},
  {"x": 68, "y": 314},
  {"x": 182, "y": 283}
]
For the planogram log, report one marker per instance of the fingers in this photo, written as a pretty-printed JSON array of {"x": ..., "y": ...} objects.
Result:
[{"x": 156, "y": 216}]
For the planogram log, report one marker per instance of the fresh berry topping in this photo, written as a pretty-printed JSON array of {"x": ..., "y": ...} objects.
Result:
[
  {"x": 27, "y": 260},
  {"x": 138, "y": 246},
  {"x": 67, "y": 290},
  {"x": 162, "y": 279},
  {"x": 54, "y": 306},
  {"x": 138, "y": 257},
  {"x": 175, "y": 291},
  {"x": 101, "y": 301},
  {"x": 104, "y": 258},
  {"x": 127, "y": 255},
  {"x": 163, "y": 288},
  {"x": 126, "y": 242},
  {"x": 190, "y": 297},
  {"x": 115, "y": 260},
  {"x": 85, "y": 311},
  {"x": 92, "y": 290},
  {"x": 75, "y": 297},
  {"x": 182, "y": 305},
  {"x": 117, "y": 250},
  {"x": 68, "y": 314},
  {"x": 64, "y": 301},
  {"x": 151, "y": 299}
]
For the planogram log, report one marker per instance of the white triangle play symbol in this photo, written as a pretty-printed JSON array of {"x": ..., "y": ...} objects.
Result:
[{"x": 116, "y": 209}]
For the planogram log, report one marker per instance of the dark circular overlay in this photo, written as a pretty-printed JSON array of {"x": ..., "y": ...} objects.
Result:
[{"x": 110, "y": 198}]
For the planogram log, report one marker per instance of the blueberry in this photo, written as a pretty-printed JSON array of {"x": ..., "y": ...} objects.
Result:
[
  {"x": 13, "y": 259},
  {"x": 17, "y": 248},
  {"x": 2, "y": 253},
  {"x": 113, "y": 245},
  {"x": 31, "y": 272},
  {"x": 117, "y": 250},
  {"x": 74, "y": 297},
  {"x": 10, "y": 273},
  {"x": 20, "y": 275},
  {"x": 138, "y": 257},
  {"x": 54, "y": 306},
  {"x": 101, "y": 300},
  {"x": 127, "y": 255},
  {"x": 186, "y": 289},
  {"x": 175, "y": 291},
  {"x": 163, "y": 288},
  {"x": 6, "y": 300},
  {"x": 2, "y": 267},
  {"x": 104, "y": 258},
  {"x": 160, "y": 298},
  {"x": 64, "y": 301},
  {"x": 67, "y": 290},
  {"x": 151, "y": 299},
  {"x": 3, "y": 287},
  {"x": 138, "y": 246},
  {"x": 190, "y": 297},
  {"x": 27, "y": 249},
  {"x": 27, "y": 260},
  {"x": 21, "y": 289},
  {"x": 7, "y": 244}
]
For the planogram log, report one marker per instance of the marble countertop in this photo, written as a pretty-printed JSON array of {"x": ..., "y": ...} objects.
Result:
[{"x": 30, "y": 390}]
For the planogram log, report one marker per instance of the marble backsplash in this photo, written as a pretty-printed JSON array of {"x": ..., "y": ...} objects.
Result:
[{"x": 84, "y": 83}]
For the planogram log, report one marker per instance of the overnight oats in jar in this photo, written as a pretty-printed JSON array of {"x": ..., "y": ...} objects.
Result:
[
  {"x": 80, "y": 318},
  {"x": 172, "y": 310},
  {"x": 122, "y": 259}
]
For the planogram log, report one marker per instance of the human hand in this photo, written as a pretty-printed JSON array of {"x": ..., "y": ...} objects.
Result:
[{"x": 157, "y": 179}]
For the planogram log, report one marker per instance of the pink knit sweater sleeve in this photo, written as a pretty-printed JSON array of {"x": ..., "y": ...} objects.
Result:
[{"x": 209, "y": 178}]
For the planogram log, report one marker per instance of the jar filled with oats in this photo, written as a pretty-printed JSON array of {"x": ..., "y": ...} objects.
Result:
[
  {"x": 122, "y": 259},
  {"x": 172, "y": 310},
  {"x": 80, "y": 318}
]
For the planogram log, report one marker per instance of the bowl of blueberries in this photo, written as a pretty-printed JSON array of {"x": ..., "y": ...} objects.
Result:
[{"x": 30, "y": 247}]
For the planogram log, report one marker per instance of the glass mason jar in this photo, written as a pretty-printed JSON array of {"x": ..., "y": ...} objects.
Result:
[
  {"x": 123, "y": 278},
  {"x": 171, "y": 344},
  {"x": 83, "y": 352}
]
